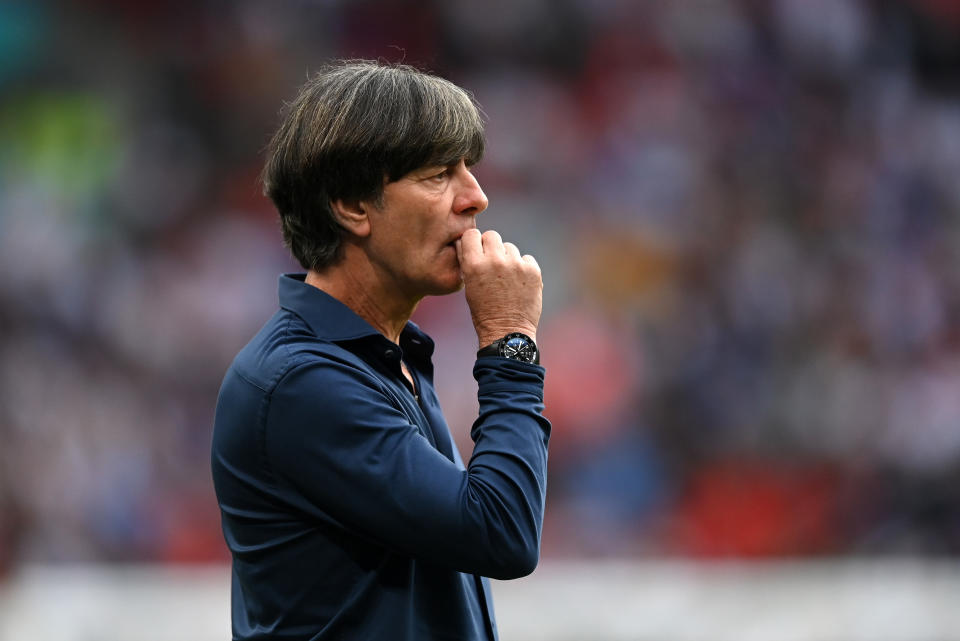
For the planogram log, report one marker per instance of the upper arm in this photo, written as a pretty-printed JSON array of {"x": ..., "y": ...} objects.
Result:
[{"x": 334, "y": 435}]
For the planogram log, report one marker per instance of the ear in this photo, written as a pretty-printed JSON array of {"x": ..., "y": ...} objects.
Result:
[{"x": 352, "y": 216}]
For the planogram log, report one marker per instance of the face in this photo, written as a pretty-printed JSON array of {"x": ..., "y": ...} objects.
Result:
[{"x": 414, "y": 226}]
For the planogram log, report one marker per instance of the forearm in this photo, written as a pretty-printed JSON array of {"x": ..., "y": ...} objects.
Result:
[{"x": 507, "y": 472}]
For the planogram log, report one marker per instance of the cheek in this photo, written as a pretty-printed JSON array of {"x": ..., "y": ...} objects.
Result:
[{"x": 447, "y": 263}]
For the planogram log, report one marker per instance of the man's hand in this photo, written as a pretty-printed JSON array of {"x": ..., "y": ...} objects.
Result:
[{"x": 504, "y": 289}]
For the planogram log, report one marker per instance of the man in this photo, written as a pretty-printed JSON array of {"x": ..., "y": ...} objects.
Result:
[{"x": 347, "y": 509}]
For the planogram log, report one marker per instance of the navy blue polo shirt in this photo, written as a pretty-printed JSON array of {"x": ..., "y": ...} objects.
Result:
[{"x": 346, "y": 507}]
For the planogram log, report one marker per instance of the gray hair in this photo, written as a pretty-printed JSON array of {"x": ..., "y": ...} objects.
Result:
[{"x": 353, "y": 127}]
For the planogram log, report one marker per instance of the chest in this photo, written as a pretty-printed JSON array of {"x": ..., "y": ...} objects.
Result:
[{"x": 413, "y": 394}]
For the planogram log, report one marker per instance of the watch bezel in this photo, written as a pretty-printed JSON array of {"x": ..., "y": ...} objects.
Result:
[{"x": 517, "y": 356}]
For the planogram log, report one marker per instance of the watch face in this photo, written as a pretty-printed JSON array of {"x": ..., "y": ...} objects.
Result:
[{"x": 518, "y": 347}]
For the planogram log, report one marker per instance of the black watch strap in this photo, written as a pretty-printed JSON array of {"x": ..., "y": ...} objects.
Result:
[{"x": 515, "y": 346}]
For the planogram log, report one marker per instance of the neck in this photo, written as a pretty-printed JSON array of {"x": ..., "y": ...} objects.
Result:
[{"x": 356, "y": 285}]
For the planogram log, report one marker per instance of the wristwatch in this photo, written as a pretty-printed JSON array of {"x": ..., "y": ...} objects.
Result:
[{"x": 515, "y": 346}]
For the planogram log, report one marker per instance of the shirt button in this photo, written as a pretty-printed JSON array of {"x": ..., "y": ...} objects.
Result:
[{"x": 390, "y": 353}]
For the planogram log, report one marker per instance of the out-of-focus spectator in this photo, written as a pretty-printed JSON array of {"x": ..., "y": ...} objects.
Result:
[{"x": 749, "y": 212}]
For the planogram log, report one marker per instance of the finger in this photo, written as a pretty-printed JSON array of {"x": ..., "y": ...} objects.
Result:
[
  {"x": 492, "y": 243},
  {"x": 511, "y": 250},
  {"x": 469, "y": 245},
  {"x": 530, "y": 259}
]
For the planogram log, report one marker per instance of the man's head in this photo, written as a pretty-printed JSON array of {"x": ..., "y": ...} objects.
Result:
[{"x": 353, "y": 127}]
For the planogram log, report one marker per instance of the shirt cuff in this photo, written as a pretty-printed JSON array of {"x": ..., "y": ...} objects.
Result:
[{"x": 498, "y": 374}]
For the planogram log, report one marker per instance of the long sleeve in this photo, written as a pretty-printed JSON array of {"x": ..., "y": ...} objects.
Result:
[{"x": 334, "y": 435}]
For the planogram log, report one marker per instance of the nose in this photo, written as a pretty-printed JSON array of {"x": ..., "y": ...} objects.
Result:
[{"x": 470, "y": 199}]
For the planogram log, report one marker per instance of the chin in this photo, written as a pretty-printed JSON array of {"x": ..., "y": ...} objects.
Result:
[
  {"x": 447, "y": 286},
  {"x": 451, "y": 289}
]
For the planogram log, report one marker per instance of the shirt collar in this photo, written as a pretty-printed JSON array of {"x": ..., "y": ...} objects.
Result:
[{"x": 332, "y": 320}]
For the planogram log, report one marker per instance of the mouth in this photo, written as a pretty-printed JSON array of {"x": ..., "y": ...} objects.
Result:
[{"x": 453, "y": 241}]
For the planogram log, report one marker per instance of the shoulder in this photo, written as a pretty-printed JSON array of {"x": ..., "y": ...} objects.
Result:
[{"x": 286, "y": 344}]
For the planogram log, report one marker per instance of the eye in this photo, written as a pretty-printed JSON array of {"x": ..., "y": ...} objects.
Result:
[{"x": 442, "y": 175}]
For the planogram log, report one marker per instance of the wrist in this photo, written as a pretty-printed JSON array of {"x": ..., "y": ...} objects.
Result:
[{"x": 487, "y": 336}]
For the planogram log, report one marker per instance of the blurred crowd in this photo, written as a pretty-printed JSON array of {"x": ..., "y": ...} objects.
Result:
[{"x": 747, "y": 213}]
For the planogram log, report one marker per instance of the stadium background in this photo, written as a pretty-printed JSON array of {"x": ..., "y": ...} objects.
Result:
[{"x": 747, "y": 212}]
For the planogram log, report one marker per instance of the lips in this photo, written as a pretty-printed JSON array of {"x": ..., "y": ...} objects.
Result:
[{"x": 455, "y": 238}]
